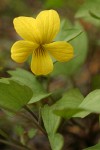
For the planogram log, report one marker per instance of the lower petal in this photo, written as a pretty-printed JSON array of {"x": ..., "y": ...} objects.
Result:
[
  {"x": 41, "y": 63},
  {"x": 61, "y": 51},
  {"x": 21, "y": 50}
]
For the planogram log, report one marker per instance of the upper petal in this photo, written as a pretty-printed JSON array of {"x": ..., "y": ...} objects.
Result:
[
  {"x": 48, "y": 22},
  {"x": 41, "y": 62},
  {"x": 26, "y": 27},
  {"x": 61, "y": 51},
  {"x": 21, "y": 50}
]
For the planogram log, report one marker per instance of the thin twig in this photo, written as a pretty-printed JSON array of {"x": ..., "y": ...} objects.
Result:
[
  {"x": 14, "y": 145},
  {"x": 10, "y": 139}
]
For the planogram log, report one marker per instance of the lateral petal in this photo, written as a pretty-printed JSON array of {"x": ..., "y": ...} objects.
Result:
[
  {"x": 41, "y": 63},
  {"x": 26, "y": 27},
  {"x": 48, "y": 23},
  {"x": 21, "y": 50},
  {"x": 61, "y": 51}
]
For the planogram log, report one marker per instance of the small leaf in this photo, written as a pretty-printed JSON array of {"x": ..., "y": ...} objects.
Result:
[
  {"x": 91, "y": 103},
  {"x": 67, "y": 106},
  {"x": 14, "y": 96},
  {"x": 19, "y": 130},
  {"x": 71, "y": 99},
  {"x": 32, "y": 133},
  {"x": 68, "y": 112},
  {"x": 51, "y": 121},
  {"x": 95, "y": 147},
  {"x": 56, "y": 141},
  {"x": 30, "y": 80}
]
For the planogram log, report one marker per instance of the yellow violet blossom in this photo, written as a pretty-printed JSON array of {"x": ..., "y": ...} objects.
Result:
[{"x": 38, "y": 35}]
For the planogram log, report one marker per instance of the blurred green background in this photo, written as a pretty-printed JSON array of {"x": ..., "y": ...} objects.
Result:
[{"x": 82, "y": 72}]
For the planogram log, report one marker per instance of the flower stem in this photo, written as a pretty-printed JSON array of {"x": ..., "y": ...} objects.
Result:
[
  {"x": 35, "y": 120},
  {"x": 30, "y": 111}
]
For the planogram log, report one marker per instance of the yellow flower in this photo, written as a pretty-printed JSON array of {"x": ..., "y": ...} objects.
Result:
[{"x": 38, "y": 35}]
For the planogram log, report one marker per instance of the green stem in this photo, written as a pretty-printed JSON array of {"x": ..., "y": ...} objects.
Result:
[
  {"x": 31, "y": 112},
  {"x": 35, "y": 121},
  {"x": 7, "y": 137},
  {"x": 14, "y": 145},
  {"x": 39, "y": 127},
  {"x": 4, "y": 134}
]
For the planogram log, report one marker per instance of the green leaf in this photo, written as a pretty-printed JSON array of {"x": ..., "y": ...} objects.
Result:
[
  {"x": 67, "y": 33},
  {"x": 95, "y": 147},
  {"x": 30, "y": 80},
  {"x": 73, "y": 106},
  {"x": 19, "y": 130},
  {"x": 67, "y": 113},
  {"x": 32, "y": 133},
  {"x": 95, "y": 13},
  {"x": 80, "y": 45},
  {"x": 51, "y": 121},
  {"x": 14, "y": 96},
  {"x": 56, "y": 141},
  {"x": 67, "y": 106},
  {"x": 91, "y": 103},
  {"x": 86, "y": 8},
  {"x": 71, "y": 99}
]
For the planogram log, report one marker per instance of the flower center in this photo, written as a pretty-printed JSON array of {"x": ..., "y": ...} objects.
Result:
[{"x": 40, "y": 51}]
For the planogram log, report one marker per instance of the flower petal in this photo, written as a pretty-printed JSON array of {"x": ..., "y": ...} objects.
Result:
[
  {"x": 41, "y": 62},
  {"x": 26, "y": 28},
  {"x": 21, "y": 50},
  {"x": 48, "y": 23},
  {"x": 61, "y": 51}
]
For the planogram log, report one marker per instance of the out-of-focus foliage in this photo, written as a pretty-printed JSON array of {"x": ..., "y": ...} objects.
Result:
[
  {"x": 96, "y": 147},
  {"x": 90, "y": 11},
  {"x": 14, "y": 8},
  {"x": 53, "y": 3},
  {"x": 96, "y": 82}
]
